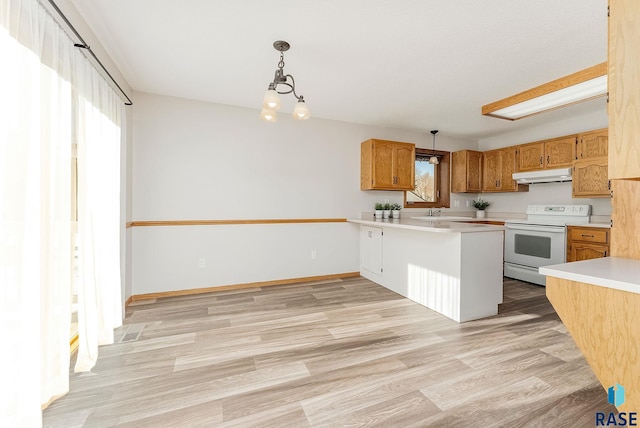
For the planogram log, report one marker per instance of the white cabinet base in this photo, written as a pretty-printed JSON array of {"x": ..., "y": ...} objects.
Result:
[{"x": 456, "y": 274}]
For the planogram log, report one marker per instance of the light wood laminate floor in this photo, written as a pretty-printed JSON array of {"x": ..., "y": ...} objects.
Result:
[{"x": 342, "y": 353}]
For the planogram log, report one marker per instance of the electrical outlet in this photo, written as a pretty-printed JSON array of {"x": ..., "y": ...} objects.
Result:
[
  {"x": 467, "y": 203},
  {"x": 456, "y": 203},
  {"x": 314, "y": 254},
  {"x": 202, "y": 263}
]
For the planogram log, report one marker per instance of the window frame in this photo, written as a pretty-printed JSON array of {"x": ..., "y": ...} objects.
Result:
[{"x": 442, "y": 179}]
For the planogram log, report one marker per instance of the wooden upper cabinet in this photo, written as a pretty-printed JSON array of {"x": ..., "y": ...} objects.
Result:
[
  {"x": 466, "y": 171},
  {"x": 594, "y": 144},
  {"x": 509, "y": 160},
  {"x": 554, "y": 153},
  {"x": 531, "y": 156},
  {"x": 387, "y": 165},
  {"x": 590, "y": 169},
  {"x": 624, "y": 88},
  {"x": 492, "y": 171},
  {"x": 498, "y": 168},
  {"x": 560, "y": 152},
  {"x": 590, "y": 178}
]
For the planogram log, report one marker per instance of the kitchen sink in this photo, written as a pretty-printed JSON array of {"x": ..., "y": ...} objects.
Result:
[{"x": 440, "y": 218}]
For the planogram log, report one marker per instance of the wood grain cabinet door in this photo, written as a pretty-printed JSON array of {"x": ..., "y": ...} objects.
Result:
[
  {"x": 387, "y": 165},
  {"x": 508, "y": 167},
  {"x": 531, "y": 156},
  {"x": 581, "y": 251},
  {"x": 560, "y": 152},
  {"x": 492, "y": 170},
  {"x": 590, "y": 178},
  {"x": 594, "y": 144},
  {"x": 466, "y": 171},
  {"x": 404, "y": 166},
  {"x": 383, "y": 164}
]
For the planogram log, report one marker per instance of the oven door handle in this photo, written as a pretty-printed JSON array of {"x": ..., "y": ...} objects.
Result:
[{"x": 536, "y": 228}]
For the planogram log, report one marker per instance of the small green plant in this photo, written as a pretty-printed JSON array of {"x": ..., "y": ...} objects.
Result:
[
  {"x": 480, "y": 204},
  {"x": 379, "y": 206},
  {"x": 396, "y": 207},
  {"x": 387, "y": 207}
]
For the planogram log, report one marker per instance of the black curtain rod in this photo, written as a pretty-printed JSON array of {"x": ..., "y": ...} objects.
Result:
[{"x": 84, "y": 45}]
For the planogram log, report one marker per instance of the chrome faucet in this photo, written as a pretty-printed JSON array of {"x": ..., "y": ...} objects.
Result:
[{"x": 434, "y": 212}]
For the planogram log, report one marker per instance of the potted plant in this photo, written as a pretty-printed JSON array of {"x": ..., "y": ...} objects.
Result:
[
  {"x": 379, "y": 210},
  {"x": 387, "y": 210},
  {"x": 480, "y": 205},
  {"x": 395, "y": 210}
]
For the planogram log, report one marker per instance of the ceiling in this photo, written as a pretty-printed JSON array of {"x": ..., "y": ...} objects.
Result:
[{"x": 408, "y": 64}]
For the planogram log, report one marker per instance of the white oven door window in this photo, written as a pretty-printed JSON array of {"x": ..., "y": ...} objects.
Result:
[{"x": 535, "y": 246}]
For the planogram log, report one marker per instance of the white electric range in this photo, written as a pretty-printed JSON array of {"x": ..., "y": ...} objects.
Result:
[{"x": 540, "y": 240}]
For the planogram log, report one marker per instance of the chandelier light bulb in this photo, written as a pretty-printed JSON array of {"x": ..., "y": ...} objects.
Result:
[
  {"x": 268, "y": 115},
  {"x": 271, "y": 100},
  {"x": 301, "y": 112}
]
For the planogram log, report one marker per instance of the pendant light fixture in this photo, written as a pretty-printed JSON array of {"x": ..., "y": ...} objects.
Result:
[
  {"x": 282, "y": 84},
  {"x": 434, "y": 159}
]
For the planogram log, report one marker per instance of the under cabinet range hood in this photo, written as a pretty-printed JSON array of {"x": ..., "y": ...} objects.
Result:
[{"x": 543, "y": 176}]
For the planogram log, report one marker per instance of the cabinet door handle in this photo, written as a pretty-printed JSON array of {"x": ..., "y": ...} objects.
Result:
[
  {"x": 548, "y": 160},
  {"x": 587, "y": 236},
  {"x": 369, "y": 233},
  {"x": 540, "y": 160}
]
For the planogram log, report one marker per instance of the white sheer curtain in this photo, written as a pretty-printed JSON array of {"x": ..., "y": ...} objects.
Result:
[
  {"x": 99, "y": 300},
  {"x": 48, "y": 94}
]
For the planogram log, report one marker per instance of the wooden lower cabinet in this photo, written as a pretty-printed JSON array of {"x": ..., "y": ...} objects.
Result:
[{"x": 585, "y": 243}]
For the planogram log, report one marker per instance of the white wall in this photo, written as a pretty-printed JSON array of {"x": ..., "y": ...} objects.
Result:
[{"x": 197, "y": 160}]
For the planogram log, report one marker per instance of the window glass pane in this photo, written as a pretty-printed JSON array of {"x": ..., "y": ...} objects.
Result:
[{"x": 425, "y": 189}]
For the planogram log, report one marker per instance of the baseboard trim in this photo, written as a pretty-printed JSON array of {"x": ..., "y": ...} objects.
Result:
[{"x": 191, "y": 291}]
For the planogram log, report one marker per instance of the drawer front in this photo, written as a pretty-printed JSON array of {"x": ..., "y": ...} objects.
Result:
[{"x": 589, "y": 234}]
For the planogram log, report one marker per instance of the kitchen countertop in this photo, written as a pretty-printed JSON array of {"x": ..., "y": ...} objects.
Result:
[
  {"x": 600, "y": 225},
  {"x": 459, "y": 226},
  {"x": 611, "y": 272}
]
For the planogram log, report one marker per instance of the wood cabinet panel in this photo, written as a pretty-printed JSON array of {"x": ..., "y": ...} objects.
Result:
[
  {"x": 625, "y": 219},
  {"x": 491, "y": 171},
  {"x": 585, "y": 243},
  {"x": 589, "y": 234},
  {"x": 466, "y": 172},
  {"x": 594, "y": 144},
  {"x": 560, "y": 152},
  {"x": 387, "y": 165},
  {"x": 405, "y": 164},
  {"x": 531, "y": 156},
  {"x": 508, "y": 167},
  {"x": 590, "y": 178},
  {"x": 498, "y": 168},
  {"x": 555, "y": 153},
  {"x": 624, "y": 89}
]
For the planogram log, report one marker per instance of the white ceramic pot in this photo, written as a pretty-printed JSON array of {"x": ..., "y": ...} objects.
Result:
[
  {"x": 378, "y": 214},
  {"x": 480, "y": 214},
  {"x": 395, "y": 213},
  {"x": 387, "y": 213}
]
